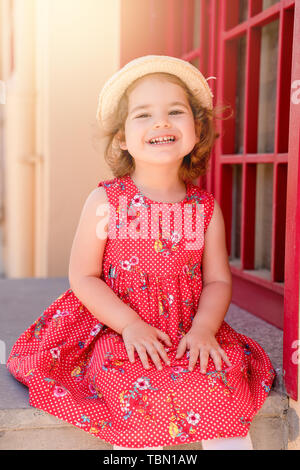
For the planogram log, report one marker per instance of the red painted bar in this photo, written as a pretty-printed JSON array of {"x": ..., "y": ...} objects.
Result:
[
  {"x": 285, "y": 48},
  {"x": 254, "y": 7},
  {"x": 204, "y": 37},
  {"x": 225, "y": 192},
  {"x": 219, "y": 145},
  {"x": 228, "y": 77},
  {"x": 254, "y": 158},
  {"x": 252, "y": 90},
  {"x": 248, "y": 216},
  {"x": 279, "y": 218},
  {"x": 189, "y": 56},
  {"x": 212, "y": 72},
  {"x": 292, "y": 243},
  {"x": 231, "y": 15}
]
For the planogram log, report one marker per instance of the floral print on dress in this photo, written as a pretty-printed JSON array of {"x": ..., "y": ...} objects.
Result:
[
  {"x": 96, "y": 393},
  {"x": 39, "y": 324},
  {"x": 220, "y": 378},
  {"x": 112, "y": 364},
  {"x": 178, "y": 372},
  {"x": 167, "y": 247},
  {"x": 266, "y": 384},
  {"x": 129, "y": 265},
  {"x": 57, "y": 390},
  {"x": 181, "y": 423},
  {"x": 78, "y": 373},
  {"x": 137, "y": 399},
  {"x": 190, "y": 270},
  {"x": 92, "y": 426}
]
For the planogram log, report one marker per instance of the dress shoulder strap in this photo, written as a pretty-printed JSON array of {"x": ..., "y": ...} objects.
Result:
[
  {"x": 114, "y": 188},
  {"x": 201, "y": 196}
]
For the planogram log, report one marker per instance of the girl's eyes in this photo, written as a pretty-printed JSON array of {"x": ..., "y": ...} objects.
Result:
[{"x": 177, "y": 111}]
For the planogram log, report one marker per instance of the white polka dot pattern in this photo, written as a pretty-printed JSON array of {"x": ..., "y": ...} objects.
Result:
[{"x": 77, "y": 369}]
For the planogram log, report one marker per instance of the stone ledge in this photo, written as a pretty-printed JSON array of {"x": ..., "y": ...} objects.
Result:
[
  {"x": 31, "y": 428},
  {"x": 33, "y": 418},
  {"x": 276, "y": 404}
]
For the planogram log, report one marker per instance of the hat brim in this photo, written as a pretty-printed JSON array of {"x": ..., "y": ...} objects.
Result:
[{"x": 114, "y": 88}]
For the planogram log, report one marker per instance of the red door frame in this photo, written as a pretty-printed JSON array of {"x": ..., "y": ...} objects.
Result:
[
  {"x": 217, "y": 48},
  {"x": 284, "y": 212},
  {"x": 292, "y": 246}
]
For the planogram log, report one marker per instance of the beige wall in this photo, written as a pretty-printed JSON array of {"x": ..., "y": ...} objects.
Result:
[
  {"x": 83, "y": 51},
  {"x": 18, "y": 134},
  {"x": 64, "y": 51}
]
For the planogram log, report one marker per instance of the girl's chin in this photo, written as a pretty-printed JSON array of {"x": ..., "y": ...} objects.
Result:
[{"x": 161, "y": 160}]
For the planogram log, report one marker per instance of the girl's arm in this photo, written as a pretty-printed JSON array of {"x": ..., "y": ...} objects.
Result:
[
  {"x": 85, "y": 266},
  {"x": 214, "y": 299},
  {"x": 216, "y": 276}
]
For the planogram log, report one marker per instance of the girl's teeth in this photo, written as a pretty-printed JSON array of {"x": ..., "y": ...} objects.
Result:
[{"x": 163, "y": 140}]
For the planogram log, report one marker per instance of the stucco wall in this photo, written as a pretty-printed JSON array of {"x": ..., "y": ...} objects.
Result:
[{"x": 63, "y": 52}]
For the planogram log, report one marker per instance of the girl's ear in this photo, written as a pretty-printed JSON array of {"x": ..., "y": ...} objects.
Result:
[
  {"x": 122, "y": 141},
  {"x": 123, "y": 145}
]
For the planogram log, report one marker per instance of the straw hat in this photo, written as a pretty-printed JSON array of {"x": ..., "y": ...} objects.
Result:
[{"x": 114, "y": 88}]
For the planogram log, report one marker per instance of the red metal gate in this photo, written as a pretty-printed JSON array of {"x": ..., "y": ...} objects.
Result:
[{"x": 251, "y": 47}]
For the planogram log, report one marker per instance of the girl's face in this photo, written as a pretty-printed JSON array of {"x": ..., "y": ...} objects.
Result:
[{"x": 159, "y": 108}]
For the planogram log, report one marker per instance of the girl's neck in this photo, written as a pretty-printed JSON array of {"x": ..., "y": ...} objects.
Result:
[{"x": 160, "y": 186}]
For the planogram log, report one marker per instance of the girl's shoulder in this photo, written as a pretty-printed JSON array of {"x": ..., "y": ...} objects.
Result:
[{"x": 114, "y": 188}]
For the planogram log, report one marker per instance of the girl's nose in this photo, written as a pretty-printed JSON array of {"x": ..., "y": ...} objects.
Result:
[{"x": 162, "y": 122}]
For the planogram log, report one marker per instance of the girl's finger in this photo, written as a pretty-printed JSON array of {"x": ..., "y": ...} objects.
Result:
[
  {"x": 194, "y": 354},
  {"x": 181, "y": 348},
  {"x": 216, "y": 358},
  {"x": 225, "y": 357},
  {"x": 162, "y": 352},
  {"x": 130, "y": 352},
  {"x": 203, "y": 360},
  {"x": 154, "y": 356},
  {"x": 143, "y": 356},
  {"x": 164, "y": 337}
]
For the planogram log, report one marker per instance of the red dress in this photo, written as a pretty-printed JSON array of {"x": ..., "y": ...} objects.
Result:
[{"x": 77, "y": 369}]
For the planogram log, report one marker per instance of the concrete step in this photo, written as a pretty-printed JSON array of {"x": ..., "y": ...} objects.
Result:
[
  {"x": 23, "y": 427},
  {"x": 30, "y": 428}
]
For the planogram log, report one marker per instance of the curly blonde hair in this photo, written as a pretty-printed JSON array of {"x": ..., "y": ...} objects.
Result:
[{"x": 193, "y": 165}]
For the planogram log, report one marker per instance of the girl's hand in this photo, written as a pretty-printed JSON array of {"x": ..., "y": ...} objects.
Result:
[
  {"x": 202, "y": 342},
  {"x": 143, "y": 337}
]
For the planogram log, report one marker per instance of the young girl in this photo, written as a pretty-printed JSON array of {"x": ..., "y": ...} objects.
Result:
[{"x": 137, "y": 351}]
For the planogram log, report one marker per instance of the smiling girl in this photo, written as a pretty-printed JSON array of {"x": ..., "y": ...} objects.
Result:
[{"x": 144, "y": 358}]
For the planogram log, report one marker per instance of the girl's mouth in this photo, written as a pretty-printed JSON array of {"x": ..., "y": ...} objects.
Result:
[{"x": 167, "y": 140}]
